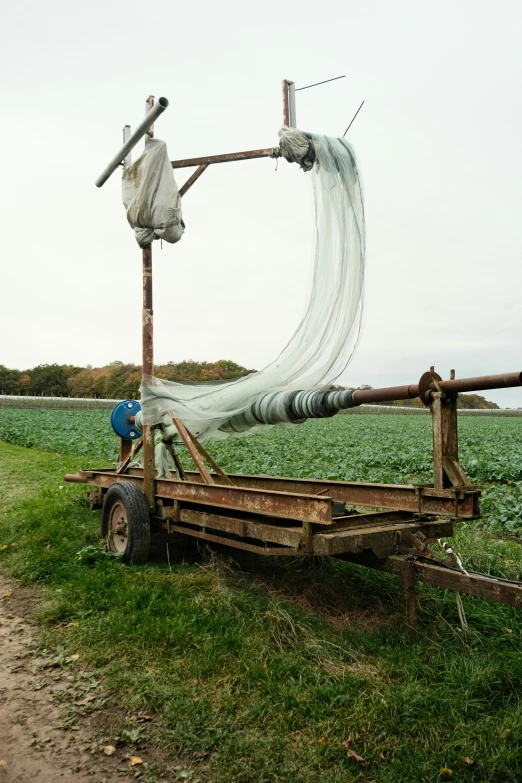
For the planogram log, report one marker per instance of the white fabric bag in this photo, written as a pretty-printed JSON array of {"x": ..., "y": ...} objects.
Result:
[{"x": 151, "y": 197}]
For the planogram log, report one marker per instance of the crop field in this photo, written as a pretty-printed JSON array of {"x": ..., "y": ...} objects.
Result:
[
  {"x": 380, "y": 448},
  {"x": 270, "y": 672}
]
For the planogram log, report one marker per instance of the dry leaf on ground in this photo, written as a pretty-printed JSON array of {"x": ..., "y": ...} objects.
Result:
[
  {"x": 351, "y": 753},
  {"x": 134, "y": 760},
  {"x": 108, "y": 749},
  {"x": 85, "y": 701}
]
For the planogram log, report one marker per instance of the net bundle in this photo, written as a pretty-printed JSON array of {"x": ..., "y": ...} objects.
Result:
[{"x": 325, "y": 339}]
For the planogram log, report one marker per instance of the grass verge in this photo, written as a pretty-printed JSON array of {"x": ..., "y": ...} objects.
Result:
[{"x": 258, "y": 672}]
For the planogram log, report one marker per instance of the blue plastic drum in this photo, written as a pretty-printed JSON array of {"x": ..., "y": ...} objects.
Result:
[{"x": 120, "y": 419}]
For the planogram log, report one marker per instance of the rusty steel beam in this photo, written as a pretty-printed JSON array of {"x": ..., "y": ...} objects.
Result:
[
  {"x": 458, "y": 503},
  {"x": 473, "y": 584},
  {"x": 281, "y": 505},
  {"x": 246, "y": 528},
  {"x": 149, "y": 469},
  {"x": 454, "y": 386},
  {"x": 230, "y": 157},
  {"x": 289, "y": 112},
  {"x": 380, "y": 539},
  {"x": 193, "y": 178},
  {"x": 258, "y": 550}
]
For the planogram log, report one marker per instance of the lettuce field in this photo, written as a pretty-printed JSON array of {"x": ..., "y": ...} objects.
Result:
[{"x": 380, "y": 448}]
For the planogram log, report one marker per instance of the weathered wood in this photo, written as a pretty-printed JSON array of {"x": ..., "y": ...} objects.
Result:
[
  {"x": 472, "y": 584},
  {"x": 191, "y": 448},
  {"x": 259, "y": 550},
  {"x": 460, "y": 503},
  {"x": 382, "y": 540},
  {"x": 122, "y": 466}
]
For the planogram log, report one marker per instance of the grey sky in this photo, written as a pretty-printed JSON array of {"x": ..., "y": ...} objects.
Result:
[{"x": 438, "y": 143}]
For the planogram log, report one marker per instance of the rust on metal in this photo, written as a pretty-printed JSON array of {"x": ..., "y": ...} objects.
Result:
[
  {"x": 286, "y": 103},
  {"x": 149, "y": 468},
  {"x": 387, "y": 394},
  {"x": 211, "y": 461},
  {"x": 191, "y": 448},
  {"x": 383, "y": 540},
  {"x": 258, "y": 550},
  {"x": 96, "y": 499},
  {"x": 192, "y": 179},
  {"x": 473, "y": 584},
  {"x": 454, "y": 386},
  {"x": 125, "y": 448},
  {"x": 408, "y": 577},
  {"x": 417, "y": 499},
  {"x": 177, "y": 462},
  {"x": 283, "y": 505},
  {"x": 245, "y": 528},
  {"x": 122, "y": 466},
  {"x": 230, "y": 157}
]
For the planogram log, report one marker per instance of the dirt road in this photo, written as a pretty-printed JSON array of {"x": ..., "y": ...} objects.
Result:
[{"x": 46, "y": 733}]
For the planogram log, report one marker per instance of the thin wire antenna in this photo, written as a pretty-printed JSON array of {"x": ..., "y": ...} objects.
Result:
[
  {"x": 353, "y": 118},
  {"x": 318, "y": 83}
]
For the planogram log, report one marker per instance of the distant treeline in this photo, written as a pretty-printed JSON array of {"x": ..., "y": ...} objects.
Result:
[
  {"x": 118, "y": 381},
  {"x": 114, "y": 381}
]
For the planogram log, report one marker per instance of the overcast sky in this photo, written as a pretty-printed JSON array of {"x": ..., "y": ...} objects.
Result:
[{"x": 438, "y": 144}]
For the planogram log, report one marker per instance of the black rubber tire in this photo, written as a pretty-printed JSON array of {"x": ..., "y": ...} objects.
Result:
[{"x": 138, "y": 520}]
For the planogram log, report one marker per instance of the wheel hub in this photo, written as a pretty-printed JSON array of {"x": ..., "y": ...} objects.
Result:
[{"x": 118, "y": 529}]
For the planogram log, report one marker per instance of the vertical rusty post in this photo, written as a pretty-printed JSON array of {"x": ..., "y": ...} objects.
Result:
[
  {"x": 289, "y": 118},
  {"x": 125, "y": 449},
  {"x": 149, "y": 467},
  {"x": 408, "y": 577},
  {"x": 445, "y": 440}
]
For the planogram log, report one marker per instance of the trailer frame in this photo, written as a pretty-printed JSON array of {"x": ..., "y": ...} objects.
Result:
[{"x": 382, "y": 526}]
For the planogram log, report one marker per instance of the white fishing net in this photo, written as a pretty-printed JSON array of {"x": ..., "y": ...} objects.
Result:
[{"x": 324, "y": 341}]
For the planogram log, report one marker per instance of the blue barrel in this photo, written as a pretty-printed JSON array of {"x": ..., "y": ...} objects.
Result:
[{"x": 120, "y": 419}]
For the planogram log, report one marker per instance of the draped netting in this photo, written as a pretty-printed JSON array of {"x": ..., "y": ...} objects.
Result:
[{"x": 323, "y": 343}]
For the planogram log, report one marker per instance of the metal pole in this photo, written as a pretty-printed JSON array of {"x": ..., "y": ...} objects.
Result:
[
  {"x": 127, "y": 132},
  {"x": 289, "y": 115},
  {"x": 134, "y": 138},
  {"x": 149, "y": 467}
]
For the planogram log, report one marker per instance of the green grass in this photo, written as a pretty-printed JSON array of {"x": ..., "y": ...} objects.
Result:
[{"x": 259, "y": 670}]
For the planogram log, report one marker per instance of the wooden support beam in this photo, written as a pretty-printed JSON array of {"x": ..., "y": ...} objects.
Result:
[
  {"x": 485, "y": 587},
  {"x": 122, "y": 466},
  {"x": 192, "y": 450},
  {"x": 193, "y": 178}
]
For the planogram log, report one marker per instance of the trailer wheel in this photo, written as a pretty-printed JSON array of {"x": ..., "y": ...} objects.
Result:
[{"x": 125, "y": 522}]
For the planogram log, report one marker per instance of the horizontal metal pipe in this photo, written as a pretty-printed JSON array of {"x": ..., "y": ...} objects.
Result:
[
  {"x": 456, "y": 386},
  {"x": 481, "y": 383},
  {"x": 133, "y": 139},
  {"x": 362, "y": 396},
  {"x": 269, "y": 152}
]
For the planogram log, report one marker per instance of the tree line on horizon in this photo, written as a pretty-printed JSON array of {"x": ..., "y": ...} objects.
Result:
[
  {"x": 117, "y": 380},
  {"x": 114, "y": 381}
]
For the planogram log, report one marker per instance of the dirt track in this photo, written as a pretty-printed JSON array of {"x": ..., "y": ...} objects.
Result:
[{"x": 43, "y": 736}]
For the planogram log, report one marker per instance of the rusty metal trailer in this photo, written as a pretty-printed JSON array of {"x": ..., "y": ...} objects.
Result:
[{"x": 383, "y": 526}]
